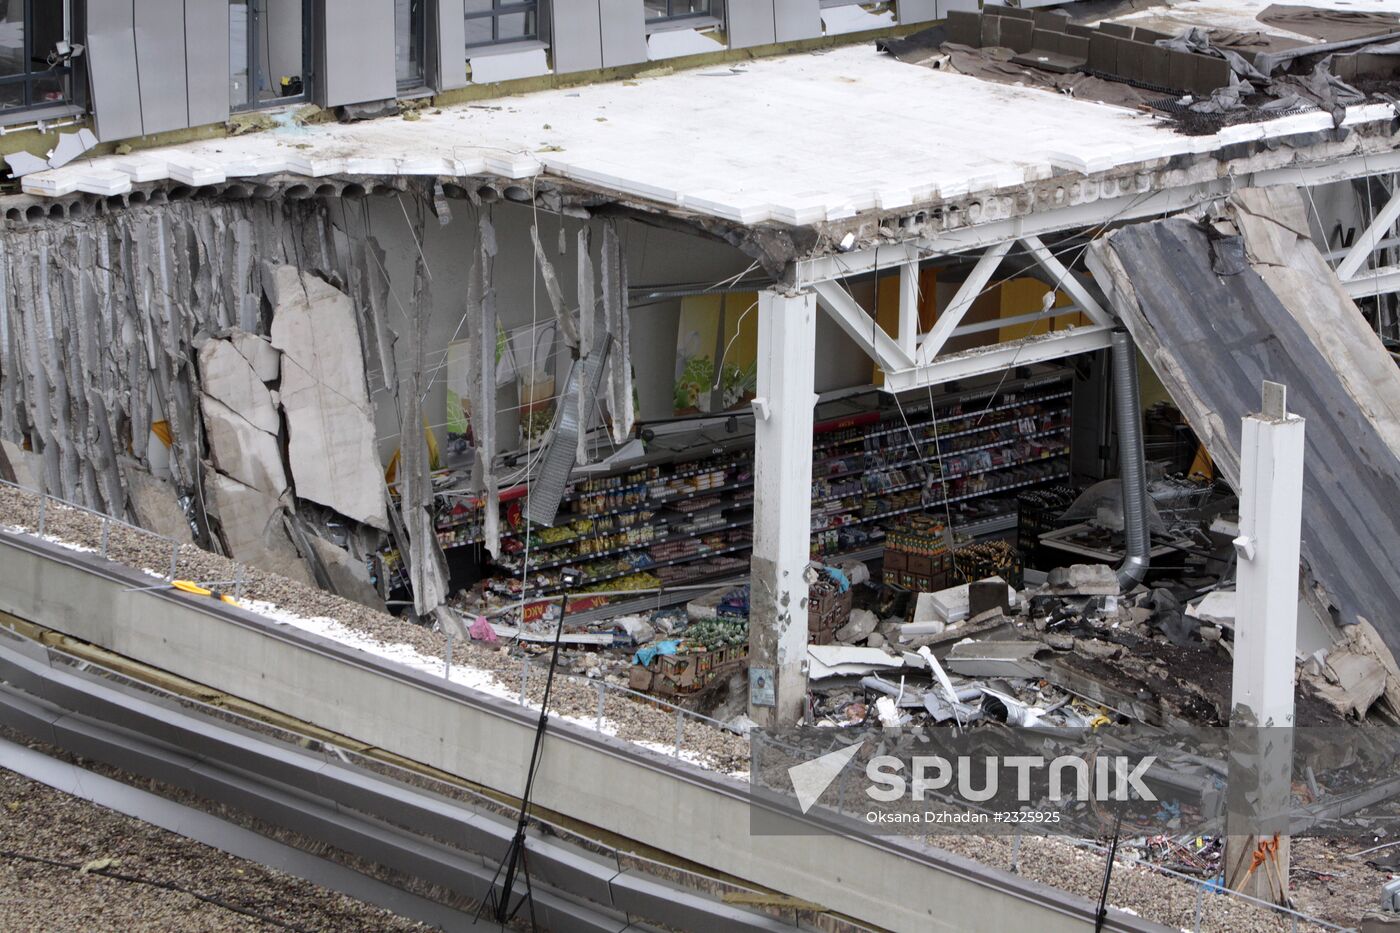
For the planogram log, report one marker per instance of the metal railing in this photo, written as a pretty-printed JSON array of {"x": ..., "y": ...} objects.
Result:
[
  {"x": 598, "y": 722},
  {"x": 518, "y": 680},
  {"x": 473, "y": 801}
]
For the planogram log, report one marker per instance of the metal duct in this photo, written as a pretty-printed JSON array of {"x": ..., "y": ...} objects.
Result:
[
  {"x": 557, "y": 461},
  {"x": 1132, "y": 468}
]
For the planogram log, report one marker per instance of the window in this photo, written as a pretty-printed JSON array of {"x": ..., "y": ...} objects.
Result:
[
  {"x": 490, "y": 22},
  {"x": 34, "y": 53},
  {"x": 676, "y": 9},
  {"x": 269, "y": 52},
  {"x": 410, "y": 43}
]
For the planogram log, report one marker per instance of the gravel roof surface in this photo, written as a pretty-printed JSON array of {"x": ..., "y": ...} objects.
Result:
[
  {"x": 38, "y": 822},
  {"x": 1329, "y": 885}
]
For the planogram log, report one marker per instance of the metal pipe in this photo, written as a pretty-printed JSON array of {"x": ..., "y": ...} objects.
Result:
[{"x": 1132, "y": 469}]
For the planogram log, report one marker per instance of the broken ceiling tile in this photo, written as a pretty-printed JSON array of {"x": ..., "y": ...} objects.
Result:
[
  {"x": 330, "y": 424},
  {"x": 227, "y": 375}
]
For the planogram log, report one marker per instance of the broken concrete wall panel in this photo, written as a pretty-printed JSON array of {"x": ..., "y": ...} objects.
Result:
[
  {"x": 426, "y": 562},
  {"x": 1214, "y": 328},
  {"x": 250, "y": 523},
  {"x": 241, "y": 450},
  {"x": 97, "y": 321},
  {"x": 617, "y": 319},
  {"x": 330, "y": 424},
  {"x": 228, "y": 376},
  {"x": 587, "y": 309}
]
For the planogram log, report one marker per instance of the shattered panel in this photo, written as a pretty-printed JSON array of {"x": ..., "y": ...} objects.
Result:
[
  {"x": 1216, "y": 315},
  {"x": 252, "y": 529},
  {"x": 330, "y": 424},
  {"x": 98, "y": 323}
]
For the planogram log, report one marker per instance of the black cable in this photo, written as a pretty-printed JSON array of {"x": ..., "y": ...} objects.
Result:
[
  {"x": 1102, "y": 914},
  {"x": 164, "y": 885},
  {"x": 514, "y": 860}
]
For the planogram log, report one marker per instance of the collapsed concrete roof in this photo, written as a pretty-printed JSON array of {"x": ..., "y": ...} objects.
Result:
[{"x": 848, "y": 139}]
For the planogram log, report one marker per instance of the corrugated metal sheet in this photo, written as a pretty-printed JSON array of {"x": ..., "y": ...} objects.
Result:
[
  {"x": 111, "y": 58},
  {"x": 358, "y": 52},
  {"x": 206, "y": 61},
  {"x": 576, "y": 36},
  {"x": 1213, "y": 329}
]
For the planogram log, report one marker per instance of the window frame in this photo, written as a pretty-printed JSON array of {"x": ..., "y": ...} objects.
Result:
[
  {"x": 27, "y": 78},
  {"x": 252, "y": 43},
  {"x": 670, "y": 19},
  {"x": 500, "y": 8},
  {"x": 418, "y": 36}
]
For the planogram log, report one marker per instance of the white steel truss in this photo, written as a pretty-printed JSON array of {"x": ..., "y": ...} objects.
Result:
[
  {"x": 911, "y": 360},
  {"x": 1360, "y": 281}
]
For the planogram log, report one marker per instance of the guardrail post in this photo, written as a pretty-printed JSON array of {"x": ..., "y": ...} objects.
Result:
[
  {"x": 106, "y": 531},
  {"x": 447, "y": 659},
  {"x": 1015, "y": 853},
  {"x": 602, "y": 699},
  {"x": 238, "y": 581},
  {"x": 43, "y": 512},
  {"x": 680, "y": 729},
  {"x": 174, "y": 558},
  {"x": 524, "y": 678}
]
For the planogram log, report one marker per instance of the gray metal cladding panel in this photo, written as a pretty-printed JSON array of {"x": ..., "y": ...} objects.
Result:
[
  {"x": 916, "y": 11},
  {"x": 358, "y": 53},
  {"x": 576, "y": 36},
  {"x": 797, "y": 19},
  {"x": 111, "y": 61},
  {"x": 1221, "y": 334},
  {"x": 450, "y": 45},
  {"x": 206, "y": 61},
  {"x": 624, "y": 32},
  {"x": 750, "y": 23},
  {"x": 160, "y": 65}
]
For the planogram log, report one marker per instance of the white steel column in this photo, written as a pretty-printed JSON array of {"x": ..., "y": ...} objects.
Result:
[
  {"x": 1266, "y": 630},
  {"x": 908, "y": 308},
  {"x": 783, "y": 410}
]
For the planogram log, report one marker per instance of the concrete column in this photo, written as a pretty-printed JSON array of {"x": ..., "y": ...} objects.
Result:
[
  {"x": 1266, "y": 637},
  {"x": 783, "y": 408}
]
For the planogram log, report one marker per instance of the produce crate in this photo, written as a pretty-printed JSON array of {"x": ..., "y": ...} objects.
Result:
[
  {"x": 688, "y": 671},
  {"x": 827, "y": 610}
]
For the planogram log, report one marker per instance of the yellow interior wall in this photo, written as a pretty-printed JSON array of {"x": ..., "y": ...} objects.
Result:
[
  {"x": 1024, "y": 296},
  {"x": 887, "y": 308}
]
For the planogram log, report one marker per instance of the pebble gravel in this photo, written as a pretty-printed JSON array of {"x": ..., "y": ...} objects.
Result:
[
  {"x": 1340, "y": 897},
  {"x": 40, "y": 825}
]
